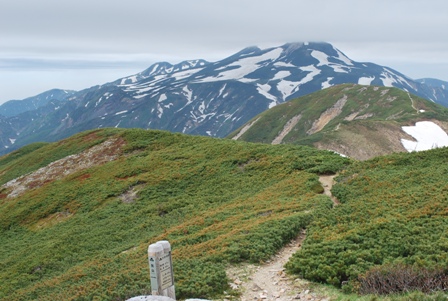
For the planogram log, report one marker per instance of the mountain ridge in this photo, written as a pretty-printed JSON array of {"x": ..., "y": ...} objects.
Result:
[
  {"x": 355, "y": 120},
  {"x": 206, "y": 98},
  {"x": 77, "y": 215}
]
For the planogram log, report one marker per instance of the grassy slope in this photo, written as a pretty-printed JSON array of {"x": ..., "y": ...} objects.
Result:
[
  {"x": 379, "y": 134},
  {"x": 216, "y": 201},
  {"x": 393, "y": 211}
]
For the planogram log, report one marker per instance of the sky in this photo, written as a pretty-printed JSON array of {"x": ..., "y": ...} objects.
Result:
[{"x": 76, "y": 44}]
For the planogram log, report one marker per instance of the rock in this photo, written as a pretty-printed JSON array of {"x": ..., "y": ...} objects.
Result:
[
  {"x": 255, "y": 287},
  {"x": 150, "y": 298}
]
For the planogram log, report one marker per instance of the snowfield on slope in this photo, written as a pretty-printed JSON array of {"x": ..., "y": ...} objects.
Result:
[{"x": 427, "y": 134}]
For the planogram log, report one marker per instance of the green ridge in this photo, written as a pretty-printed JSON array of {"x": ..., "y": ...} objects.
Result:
[
  {"x": 368, "y": 124},
  {"x": 217, "y": 201}
]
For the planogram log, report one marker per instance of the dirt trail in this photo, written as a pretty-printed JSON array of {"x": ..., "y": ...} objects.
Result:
[
  {"x": 327, "y": 182},
  {"x": 269, "y": 281},
  {"x": 413, "y": 104}
]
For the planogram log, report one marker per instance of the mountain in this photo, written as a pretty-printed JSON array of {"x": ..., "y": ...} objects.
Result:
[
  {"x": 16, "y": 107},
  {"x": 77, "y": 217},
  {"x": 206, "y": 98},
  {"x": 435, "y": 83},
  {"x": 358, "y": 121}
]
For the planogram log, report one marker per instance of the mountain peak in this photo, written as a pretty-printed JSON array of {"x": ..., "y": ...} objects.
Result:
[
  {"x": 213, "y": 99},
  {"x": 157, "y": 68},
  {"x": 291, "y": 47}
]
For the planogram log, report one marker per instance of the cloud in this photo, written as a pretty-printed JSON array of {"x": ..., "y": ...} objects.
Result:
[
  {"x": 176, "y": 27},
  {"x": 102, "y": 34}
]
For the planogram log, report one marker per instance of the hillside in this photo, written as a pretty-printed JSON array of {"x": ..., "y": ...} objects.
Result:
[
  {"x": 358, "y": 121},
  {"x": 390, "y": 230},
  {"x": 198, "y": 97},
  {"x": 77, "y": 216}
]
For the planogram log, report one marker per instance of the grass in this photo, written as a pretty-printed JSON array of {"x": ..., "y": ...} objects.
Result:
[
  {"x": 83, "y": 236},
  {"x": 393, "y": 212},
  {"x": 374, "y": 115},
  {"x": 217, "y": 202}
]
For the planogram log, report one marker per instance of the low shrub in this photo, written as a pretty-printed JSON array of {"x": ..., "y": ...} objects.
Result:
[{"x": 401, "y": 278}]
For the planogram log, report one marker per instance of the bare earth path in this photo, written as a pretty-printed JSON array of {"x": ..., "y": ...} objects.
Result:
[
  {"x": 269, "y": 281},
  {"x": 327, "y": 183}
]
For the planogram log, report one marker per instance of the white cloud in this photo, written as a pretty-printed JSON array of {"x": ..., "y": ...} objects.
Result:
[{"x": 76, "y": 34}]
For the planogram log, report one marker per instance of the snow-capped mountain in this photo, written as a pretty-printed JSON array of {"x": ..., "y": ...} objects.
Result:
[{"x": 211, "y": 98}]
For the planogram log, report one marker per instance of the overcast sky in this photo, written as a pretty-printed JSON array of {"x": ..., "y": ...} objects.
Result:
[{"x": 75, "y": 44}]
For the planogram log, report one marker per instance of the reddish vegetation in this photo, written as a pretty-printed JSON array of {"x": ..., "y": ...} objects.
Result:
[
  {"x": 83, "y": 177},
  {"x": 96, "y": 155}
]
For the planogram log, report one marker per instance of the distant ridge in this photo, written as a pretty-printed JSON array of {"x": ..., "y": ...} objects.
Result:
[
  {"x": 354, "y": 120},
  {"x": 199, "y": 97}
]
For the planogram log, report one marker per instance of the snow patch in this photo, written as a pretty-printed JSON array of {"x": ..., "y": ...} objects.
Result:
[
  {"x": 343, "y": 58},
  {"x": 323, "y": 61},
  {"x": 264, "y": 90},
  {"x": 133, "y": 79},
  {"x": 289, "y": 87},
  {"x": 327, "y": 83},
  {"x": 428, "y": 135},
  {"x": 162, "y": 97},
  {"x": 159, "y": 111},
  {"x": 185, "y": 74},
  {"x": 140, "y": 96},
  {"x": 283, "y": 64},
  {"x": 99, "y": 101},
  {"x": 244, "y": 67},
  {"x": 121, "y": 112},
  {"x": 188, "y": 93},
  {"x": 222, "y": 90},
  {"x": 281, "y": 75},
  {"x": 387, "y": 79},
  {"x": 366, "y": 81},
  {"x": 202, "y": 107},
  {"x": 66, "y": 118}
]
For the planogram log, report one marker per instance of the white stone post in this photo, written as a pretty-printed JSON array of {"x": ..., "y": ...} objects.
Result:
[
  {"x": 161, "y": 269},
  {"x": 169, "y": 291}
]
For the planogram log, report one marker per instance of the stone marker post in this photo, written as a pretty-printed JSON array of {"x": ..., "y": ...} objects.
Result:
[{"x": 161, "y": 269}]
